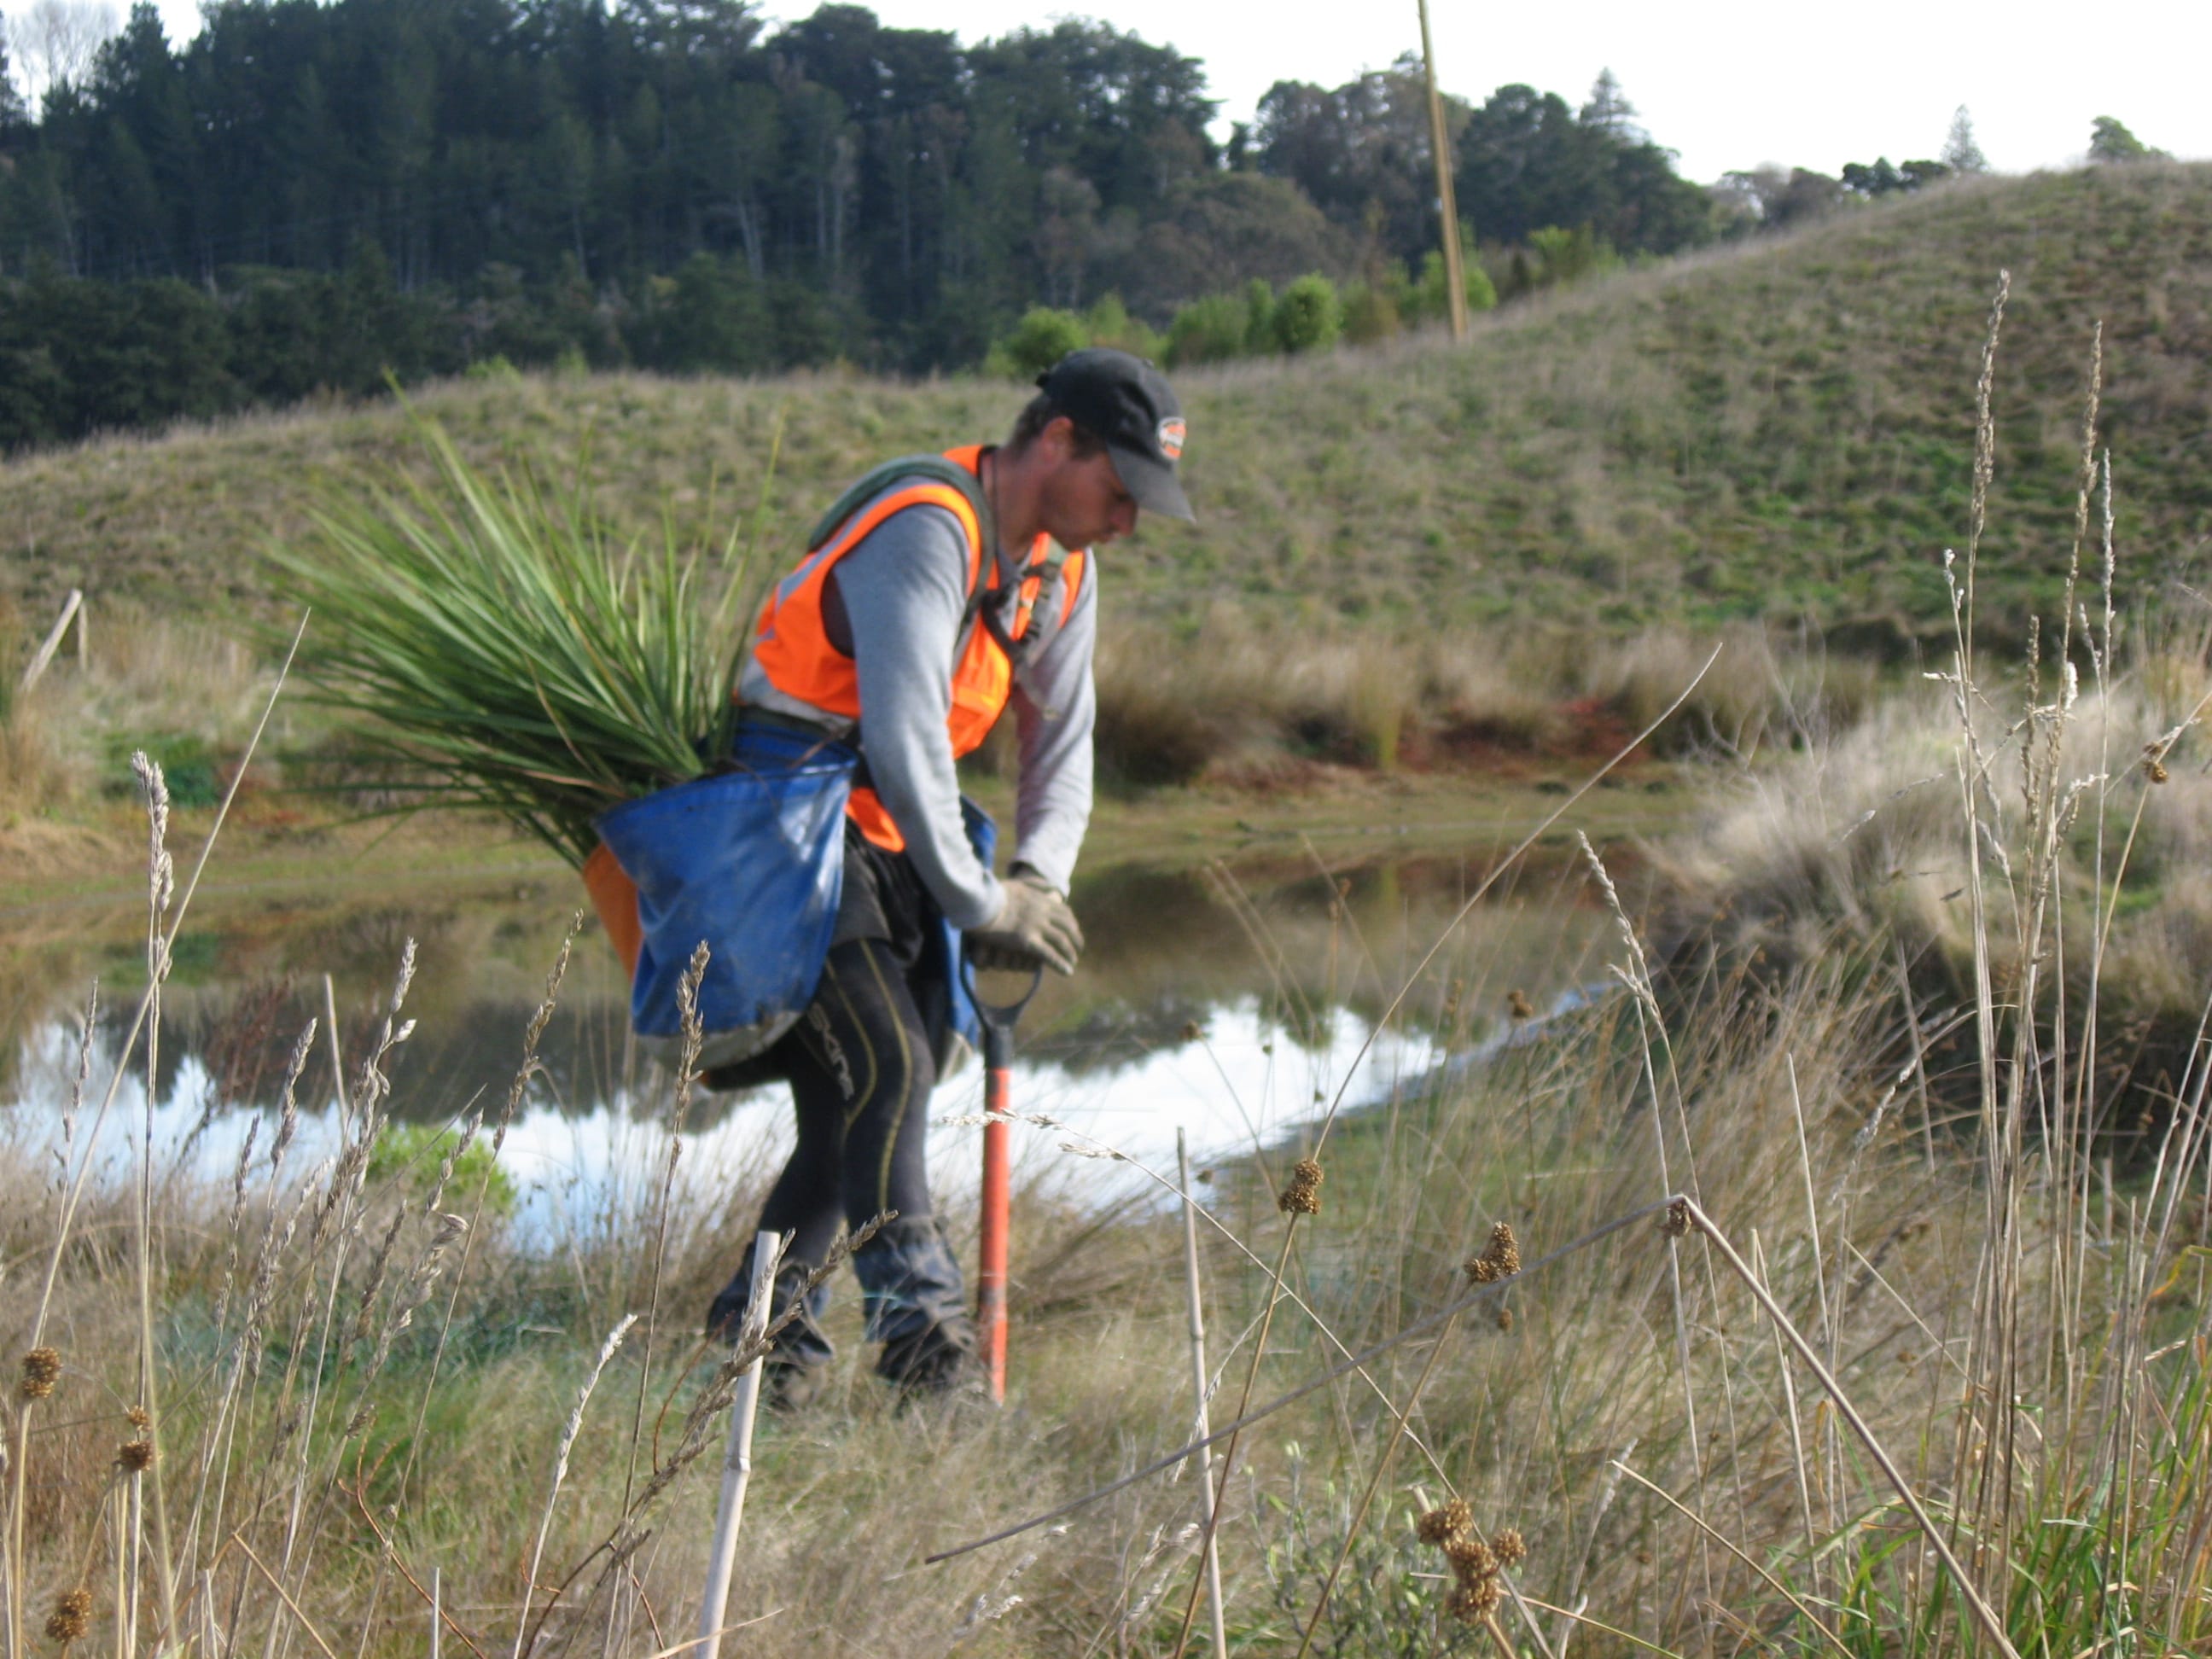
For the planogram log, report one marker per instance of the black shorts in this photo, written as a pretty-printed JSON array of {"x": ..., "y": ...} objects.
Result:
[{"x": 885, "y": 899}]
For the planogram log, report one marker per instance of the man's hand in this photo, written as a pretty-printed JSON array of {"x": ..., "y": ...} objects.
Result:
[{"x": 1034, "y": 925}]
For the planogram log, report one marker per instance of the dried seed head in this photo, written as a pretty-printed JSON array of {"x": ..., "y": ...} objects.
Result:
[
  {"x": 1509, "y": 1547},
  {"x": 139, "y": 1418},
  {"x": 1473, "y": 1603},
  {"x": 1676, "y": 1224},
  {"x": 1505, "y": 1319},
  {"x": 1500, "y": 1258},
  {"x": 71, "y": 1617},
  {"x": 1438, "y": 1525},
  {"x": 1471, "y": 1559},
  {"x": 1518, "y": 1006},
  {"x": 1303, "y": 1196},
  {"x": 1192, "y": 1030},
  {"x": 2153, "y": 767},
  {"x": 1504, "y": 1248},
  {"x": 135, "y": 1457},
  {"x": 42, "y": 1367}
]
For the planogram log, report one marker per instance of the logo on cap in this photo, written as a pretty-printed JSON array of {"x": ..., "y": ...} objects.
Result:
[{"x": 1171, "y": 437}]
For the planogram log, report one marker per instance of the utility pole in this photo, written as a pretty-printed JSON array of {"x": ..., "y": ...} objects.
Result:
[{"x": 1439, "y": 142}]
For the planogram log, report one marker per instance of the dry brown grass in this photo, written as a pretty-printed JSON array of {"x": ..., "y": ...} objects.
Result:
[
  {"x": 1230, "y": 701},
  {"x": 185, "y": 689}
]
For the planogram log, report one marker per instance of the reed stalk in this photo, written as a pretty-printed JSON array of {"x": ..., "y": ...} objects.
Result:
[
  {"x": 737, "y": 1459},
  {"x": 1969, "y": 1592},
  {"x": 523, "y": 1633},
  {"x": 1199, "y": 1391}
]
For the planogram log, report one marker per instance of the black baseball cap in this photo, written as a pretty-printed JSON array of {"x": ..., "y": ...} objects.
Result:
[{"x": 1127, "y": 402}]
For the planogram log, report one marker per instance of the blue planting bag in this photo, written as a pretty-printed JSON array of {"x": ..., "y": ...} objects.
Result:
[{"x": 750, "y": 860}]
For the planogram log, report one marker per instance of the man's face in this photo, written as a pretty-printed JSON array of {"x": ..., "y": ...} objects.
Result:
[{"x": 1082, "y": 503}]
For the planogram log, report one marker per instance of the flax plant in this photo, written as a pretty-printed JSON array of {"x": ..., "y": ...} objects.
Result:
[{"x": 514, "y": 656}]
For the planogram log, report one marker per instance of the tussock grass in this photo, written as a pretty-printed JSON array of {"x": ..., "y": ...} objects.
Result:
[
  {"x": 1232, "y": 702},
  {"x": 184, "y": 689}
]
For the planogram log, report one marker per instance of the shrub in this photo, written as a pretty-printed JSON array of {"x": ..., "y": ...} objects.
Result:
[
  {"x": 1309, "y": 317},
  {"x": 1370, "y": 313},
  {"x": 1428, "y": 294},
  {"x": 1570, "y": 256},
  {"x": 410, "y": 1155},
  {"x": 1109, "y": 324},
  {"x": 1259, "y": 318},
  {"x": 1208, "y": 331},
  {"x": 1040, "y": 339}
]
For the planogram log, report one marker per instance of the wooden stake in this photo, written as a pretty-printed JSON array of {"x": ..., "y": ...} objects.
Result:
[
  {"x": 738, "y": 1461},
  {"x": 1446, "y": 202},
  {"x": 1198, "y": 1392},
  {"x": 52, "y": 641}
]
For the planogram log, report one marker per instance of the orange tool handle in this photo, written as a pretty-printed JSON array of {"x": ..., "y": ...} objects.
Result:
[
  {"x": 997, "y": 1022},
  {"x": 991, "y": 1272}
]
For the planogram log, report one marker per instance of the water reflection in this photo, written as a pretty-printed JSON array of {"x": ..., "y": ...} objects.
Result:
[{"x": 1226, "y": 1004}]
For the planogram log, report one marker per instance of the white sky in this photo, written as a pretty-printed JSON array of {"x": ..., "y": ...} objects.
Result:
[{"x": 1728, "y": 83}]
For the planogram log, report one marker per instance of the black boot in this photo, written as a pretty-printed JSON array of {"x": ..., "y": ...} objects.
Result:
[
  {"x": 910, "y": 1288},
  {"x": 796, "y": 1368}
]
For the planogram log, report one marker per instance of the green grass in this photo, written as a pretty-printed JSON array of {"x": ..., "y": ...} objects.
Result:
[{"x": 1772, "y": 430}]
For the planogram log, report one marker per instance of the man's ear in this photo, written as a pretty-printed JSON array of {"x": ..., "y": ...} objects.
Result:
[{"x": 1059, "y": 435}]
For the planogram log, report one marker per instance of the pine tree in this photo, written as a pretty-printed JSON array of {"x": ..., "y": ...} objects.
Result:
[
  {"x": 1608, "y": 109},
  {"x": 1960, "y": 153},
  {"x": 11, "y": 102}
]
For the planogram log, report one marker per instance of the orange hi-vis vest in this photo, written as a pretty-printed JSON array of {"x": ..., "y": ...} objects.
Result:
[{"x": 792, "y": 647}]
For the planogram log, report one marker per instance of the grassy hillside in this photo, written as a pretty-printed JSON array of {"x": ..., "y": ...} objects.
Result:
[{"x": 1773, "y": 430}]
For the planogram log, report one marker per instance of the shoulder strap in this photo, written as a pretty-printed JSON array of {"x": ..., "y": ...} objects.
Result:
[
  {"x": 1049, "y": 570},
  {"x": 935, "y": 468}
]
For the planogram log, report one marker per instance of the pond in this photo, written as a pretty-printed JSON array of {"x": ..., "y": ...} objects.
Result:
[{"x": 1229, "y": 1003}]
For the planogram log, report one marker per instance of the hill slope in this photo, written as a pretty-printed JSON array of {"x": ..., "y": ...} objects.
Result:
[{"x": 1779, "y": 429}]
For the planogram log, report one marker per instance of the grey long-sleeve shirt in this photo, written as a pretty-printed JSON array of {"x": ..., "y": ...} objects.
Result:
[{"x": 904, "y": 591}]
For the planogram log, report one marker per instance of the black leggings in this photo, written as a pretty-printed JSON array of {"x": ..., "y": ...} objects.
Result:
[{"x": 861, "y": 1072}]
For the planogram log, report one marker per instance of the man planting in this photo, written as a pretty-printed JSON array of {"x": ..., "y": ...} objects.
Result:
[{"x": 938, "y": 592}]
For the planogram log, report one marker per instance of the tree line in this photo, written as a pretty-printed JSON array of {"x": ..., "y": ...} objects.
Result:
[{"x": 313, "y": 194}]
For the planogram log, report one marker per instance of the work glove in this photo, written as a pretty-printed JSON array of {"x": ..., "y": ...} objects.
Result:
[{"x": 1034, "y": 926}]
